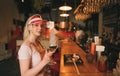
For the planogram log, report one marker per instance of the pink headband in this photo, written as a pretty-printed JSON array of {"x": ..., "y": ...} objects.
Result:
[{"x": 36, "y": 19}]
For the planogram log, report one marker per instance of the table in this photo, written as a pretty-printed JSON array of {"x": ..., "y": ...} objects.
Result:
[{"x": 87, "y": 69}]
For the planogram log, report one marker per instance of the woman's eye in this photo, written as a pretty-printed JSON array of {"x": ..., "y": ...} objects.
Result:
[{"x": 36, "y": 25}]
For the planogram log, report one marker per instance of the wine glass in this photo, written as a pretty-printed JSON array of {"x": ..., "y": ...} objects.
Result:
[{"x": 52, "y": 49}]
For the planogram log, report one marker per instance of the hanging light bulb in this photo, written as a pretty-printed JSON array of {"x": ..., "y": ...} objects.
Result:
[
  {"x": 22, "y": 0},
  {"x": 64, "y": 15},
  {"x": 65, "y": 7}
]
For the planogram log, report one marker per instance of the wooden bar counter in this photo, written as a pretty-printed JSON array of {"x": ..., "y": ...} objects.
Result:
[{"x": 87, "y": 69}]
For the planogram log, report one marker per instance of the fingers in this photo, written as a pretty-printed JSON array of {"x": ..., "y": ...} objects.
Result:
[
  {"x": 55, "y": 49},
  {"x": 48, "y": 53},
  {"x": 47, "y": 57}
]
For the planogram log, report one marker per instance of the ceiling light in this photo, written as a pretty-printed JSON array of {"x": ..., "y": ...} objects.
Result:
[
  {"x": 22, "y": 0},
  {"x": 65, "y": 8},
  {"x": 64, "y": 15}
]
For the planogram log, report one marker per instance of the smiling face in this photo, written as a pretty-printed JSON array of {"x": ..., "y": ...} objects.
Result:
[
  {"x": 36, "y": 25},
  {"x": 37, "y": 29}
]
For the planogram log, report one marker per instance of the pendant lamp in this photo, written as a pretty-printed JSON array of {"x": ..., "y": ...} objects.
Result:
[
  {"x": 65, "y": 7},
  {"x": 64, "y": 15}
]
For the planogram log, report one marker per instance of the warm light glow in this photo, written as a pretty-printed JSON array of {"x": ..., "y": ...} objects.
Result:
[
  {"x": 65, "y": 8},
  {"x": 93, "y": 6},
  {"x": 82, "y": 16},
  {"x": 22, "y": 0},
  {"x": 63, "y": 24},
  {"x": 64, "y": 15}
]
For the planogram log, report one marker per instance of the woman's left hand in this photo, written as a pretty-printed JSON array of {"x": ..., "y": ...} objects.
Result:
[{"x": 47, "y": 56}]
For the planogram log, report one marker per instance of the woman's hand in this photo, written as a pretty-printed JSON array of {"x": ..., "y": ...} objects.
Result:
[{"x": 47, "y": 56}]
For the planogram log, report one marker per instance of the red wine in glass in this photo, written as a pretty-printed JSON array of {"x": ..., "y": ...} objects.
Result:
[{"x": 52, "y": 48}]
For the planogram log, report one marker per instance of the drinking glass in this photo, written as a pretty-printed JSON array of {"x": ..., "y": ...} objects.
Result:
[{"x": 51, "y": 49}]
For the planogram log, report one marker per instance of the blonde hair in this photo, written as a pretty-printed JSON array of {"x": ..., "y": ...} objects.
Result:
[{"x": 26, "y": 30}]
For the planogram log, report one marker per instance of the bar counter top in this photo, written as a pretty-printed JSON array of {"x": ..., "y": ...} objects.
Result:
[{"x": 87, "y": 69}]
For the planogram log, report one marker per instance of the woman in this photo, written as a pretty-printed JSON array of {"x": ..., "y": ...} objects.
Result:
[{"x": 32, "y": 56}]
